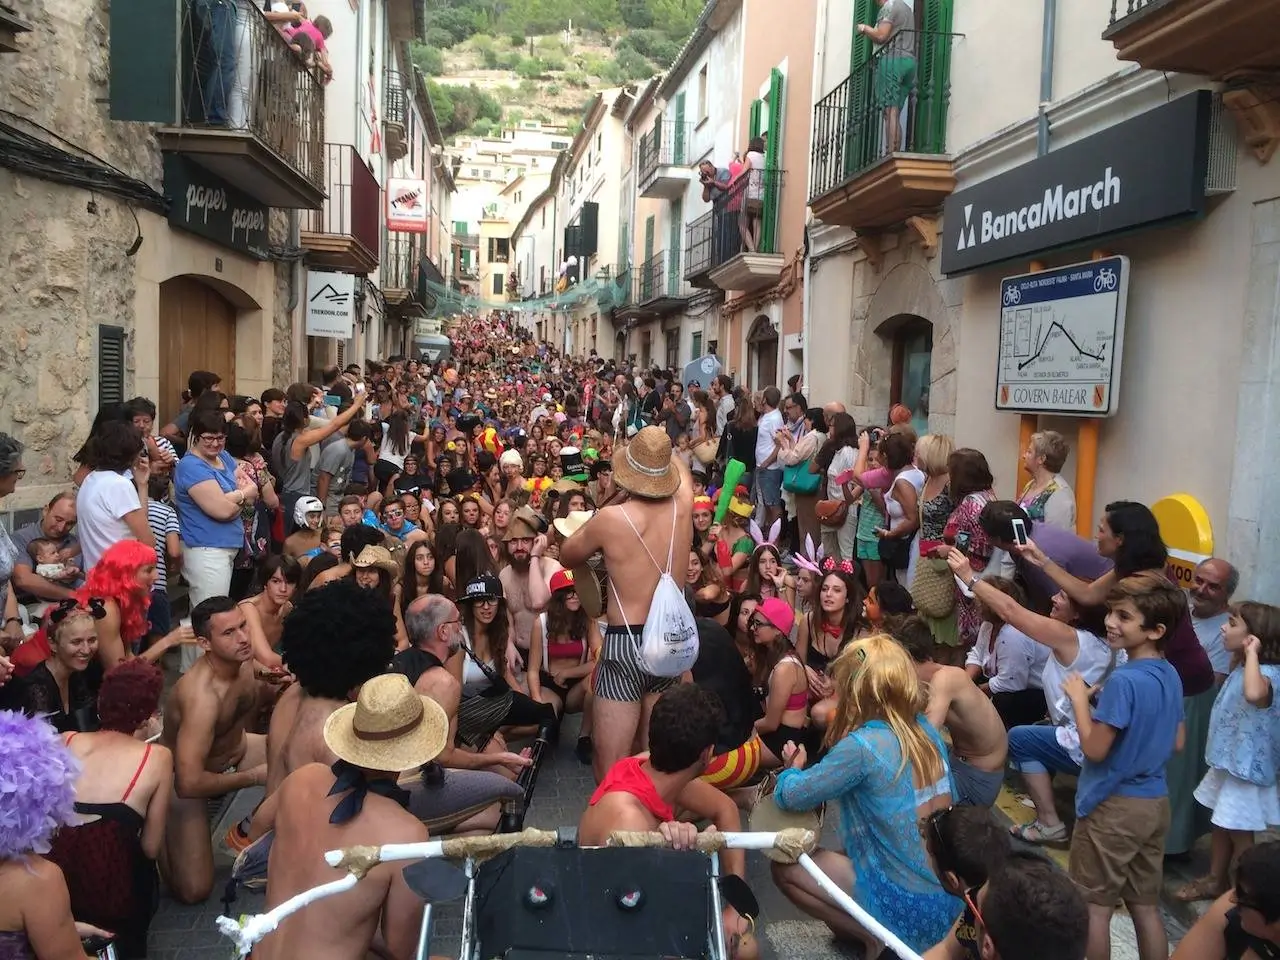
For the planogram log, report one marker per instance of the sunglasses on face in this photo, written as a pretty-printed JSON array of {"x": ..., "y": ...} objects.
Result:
[{"x": 394, "y": 514}]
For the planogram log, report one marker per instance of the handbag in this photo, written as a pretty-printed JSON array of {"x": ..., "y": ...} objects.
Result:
[
  {"x": 933, "y": 590},
  {"x": 799, "y": 480},
  {"x": 832, "y": 513},
  {"x": 705, "y": 451}
]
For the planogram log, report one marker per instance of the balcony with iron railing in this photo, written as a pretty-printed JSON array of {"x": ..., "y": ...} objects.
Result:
[
  {"x": 880, "y": 138},
  {"x": 231, "y": 92},
  {"x": 698, "y": 251},
  {"x": 397, "y": 270},
  {"x": 1215, "y": 38},
  {"x": 744, "y": 236},
  {"x": 664, "y": 160},
  {"x": 658, "y": 287},
  {"x": 344, "y": 233},
  {"x": 395, "y": 113}
]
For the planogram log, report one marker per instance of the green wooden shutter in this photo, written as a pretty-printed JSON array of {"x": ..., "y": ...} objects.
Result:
[
  {"x": 757, "y": 115},
  {"x": 862, "y": 123},
  {"x": 674, "y": 243},
  {"x": 933, "y": 86},
  {"x": 646, "y": 280},
  {"x": 772, "y": 160},
  {"x": 110, "y": 365},
  {"x": 678, "y": 135},
  {"x": 146, "y": 72}
]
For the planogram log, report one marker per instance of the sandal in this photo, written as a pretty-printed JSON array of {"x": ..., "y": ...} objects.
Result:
[
  {"x": 1206, "y": 888},
  {"x": 1037, "y": 832}
]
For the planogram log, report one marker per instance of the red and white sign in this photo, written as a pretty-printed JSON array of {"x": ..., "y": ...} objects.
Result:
[{"x": 407, "y": 205}]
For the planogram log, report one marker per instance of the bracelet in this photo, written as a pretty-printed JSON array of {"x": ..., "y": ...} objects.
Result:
[{"x": 9, "y": 620}]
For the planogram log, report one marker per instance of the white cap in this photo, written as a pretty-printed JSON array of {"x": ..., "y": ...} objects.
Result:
[{"x": 547, "y": 398}]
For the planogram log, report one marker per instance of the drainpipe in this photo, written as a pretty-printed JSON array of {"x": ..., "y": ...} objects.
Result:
[
  {"x": 296, "y": 280},
  {"x": 1046, "y": 74}
]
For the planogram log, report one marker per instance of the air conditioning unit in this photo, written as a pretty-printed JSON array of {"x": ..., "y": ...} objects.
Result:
[{"x": 1220, "y": 175}]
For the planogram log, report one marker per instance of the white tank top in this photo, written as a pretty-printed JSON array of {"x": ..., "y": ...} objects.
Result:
[
  {"x": 387, "y": 452},
  {"x": 473, "y": 679}
]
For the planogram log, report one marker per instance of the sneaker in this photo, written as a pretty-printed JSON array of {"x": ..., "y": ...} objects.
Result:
[{"x": 583, "y": 751}]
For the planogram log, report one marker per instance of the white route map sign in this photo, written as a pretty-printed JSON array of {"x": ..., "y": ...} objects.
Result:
[{"x": 1061, "y": 336}]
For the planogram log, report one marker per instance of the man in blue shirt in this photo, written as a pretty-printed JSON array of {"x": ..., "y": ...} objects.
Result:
[{"x": 1122, "y": 798}]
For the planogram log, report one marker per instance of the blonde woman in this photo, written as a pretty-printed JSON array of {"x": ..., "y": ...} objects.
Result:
[
  {"x": 1048, "y": 496},
  {"x": 933, "y": 588},
  {"x": 886, "y": 770}
]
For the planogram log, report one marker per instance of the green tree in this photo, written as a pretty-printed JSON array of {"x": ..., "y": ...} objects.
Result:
[
  {"x": 636, "y": 14},
  {"x": 427, "y": 58},
  {"x": 530, "y": 68}
]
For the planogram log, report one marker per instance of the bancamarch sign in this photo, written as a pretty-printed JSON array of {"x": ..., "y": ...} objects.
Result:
[{"x": 1141, "y": 172}]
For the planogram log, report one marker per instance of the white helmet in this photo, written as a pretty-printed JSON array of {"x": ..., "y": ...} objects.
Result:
[{"x": 304, "y": 506}]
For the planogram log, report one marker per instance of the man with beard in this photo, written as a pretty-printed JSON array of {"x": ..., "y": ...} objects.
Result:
[
  {"x": 213, "y": 755},
  {"x": 653, "y": 525},
  {"x": 526, "y": 579},
  {"x": 1212, "y": 585}
]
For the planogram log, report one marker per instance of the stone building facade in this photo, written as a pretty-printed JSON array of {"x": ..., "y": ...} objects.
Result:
[{"x": 78, "y": 291}]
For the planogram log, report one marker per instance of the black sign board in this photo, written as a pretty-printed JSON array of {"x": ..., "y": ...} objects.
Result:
[
  {"x": 207, "y": 205},
  {"x": 1139, "y": 172}
]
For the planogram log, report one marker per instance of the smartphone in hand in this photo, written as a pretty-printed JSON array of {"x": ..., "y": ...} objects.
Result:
[{"x": 1019, "y": 531}]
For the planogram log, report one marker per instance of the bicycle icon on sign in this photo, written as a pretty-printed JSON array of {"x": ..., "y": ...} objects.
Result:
[
  {"x": 1105, "y": 280},
  {"x": 1012, "y": 296}
]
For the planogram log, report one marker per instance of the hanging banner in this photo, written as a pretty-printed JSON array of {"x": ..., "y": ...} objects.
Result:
[
  {"x": 407, "y": 205},
  {"x": 331, "y": 304}
]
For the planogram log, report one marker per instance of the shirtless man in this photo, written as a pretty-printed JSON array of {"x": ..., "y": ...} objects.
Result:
[
  {"x": 204, "y": 727},
  {"x": 642, "y": 793},
  {"x": 979, "y": 742},
  {"x": 375, "y": 744},
  {"x": 526, "y": 579},
  {"x": 658, "y": 513}
]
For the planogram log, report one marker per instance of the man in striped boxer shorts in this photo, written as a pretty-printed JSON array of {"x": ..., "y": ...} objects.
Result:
[{"x": 658, "y": 513}]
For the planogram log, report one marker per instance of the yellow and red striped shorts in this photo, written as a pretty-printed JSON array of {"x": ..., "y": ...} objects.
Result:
[{"x": 735, "y": 768}]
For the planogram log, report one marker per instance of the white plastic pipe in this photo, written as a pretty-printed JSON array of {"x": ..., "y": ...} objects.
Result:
[
  {"x": 850, "y": 906},
  {"x": 248, "y": 932}
]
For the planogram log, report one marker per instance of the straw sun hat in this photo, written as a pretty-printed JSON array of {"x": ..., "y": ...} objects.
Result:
[
  {"x": 389, "y": 727},
  {"x": 645, "y": 468}
]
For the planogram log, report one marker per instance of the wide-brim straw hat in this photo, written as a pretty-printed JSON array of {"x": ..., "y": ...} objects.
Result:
[
  {"x": 389, "y": 728},
  {"x": 523, "y": 525},
  {"x": 645, "y": 468},
  {"x": 568, "y": 485},
  {"x": 375, "y": 556},
  {"x": 568, "y": 525}
]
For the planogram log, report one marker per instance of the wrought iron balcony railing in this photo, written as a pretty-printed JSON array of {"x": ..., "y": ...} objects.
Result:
[
  {"x": 241, "y": 73},
  {"x": 665, "y": 145},
  {"x": 745, "y": 216},
  {"x": 698, "y": 245},
  {"x": 395, "y": 98},
  {"x": 353, "y": 199},
  {"x": 895, "y": 103}
]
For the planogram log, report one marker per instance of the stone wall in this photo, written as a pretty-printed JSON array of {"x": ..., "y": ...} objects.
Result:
[{"x": 63, "y": 247}]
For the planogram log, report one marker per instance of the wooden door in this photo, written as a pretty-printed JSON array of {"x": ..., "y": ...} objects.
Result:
[{"x": 197, "y": 332}]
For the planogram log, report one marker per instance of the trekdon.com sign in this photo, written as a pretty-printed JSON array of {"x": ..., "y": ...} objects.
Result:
[{"x": 1102, "y": 185}]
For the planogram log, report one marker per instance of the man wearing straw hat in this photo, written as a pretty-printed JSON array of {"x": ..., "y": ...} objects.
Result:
[
  {"x": 658, "y": 512},
  {"x": 388, "y": 730},
  {"x": 525, "y": 579}
]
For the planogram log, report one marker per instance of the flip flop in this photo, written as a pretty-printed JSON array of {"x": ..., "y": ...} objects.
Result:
[
  {"x": 1206, "y": 888},
  {"x": 1037, "y": 832}
]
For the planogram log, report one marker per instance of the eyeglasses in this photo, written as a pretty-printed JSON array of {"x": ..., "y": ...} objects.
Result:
[
  {"x": 755, "y": 623},
  {"x": 971, "y": 901},
  {"x": 19, "y": 473},
  {"x": 212, "y": 439},
  {"x": 394, "y": 514}
]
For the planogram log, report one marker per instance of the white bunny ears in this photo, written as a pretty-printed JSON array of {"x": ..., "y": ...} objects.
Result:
[
  {"x": 758, "y": 535},
  {"x": 810, "y": 559}
]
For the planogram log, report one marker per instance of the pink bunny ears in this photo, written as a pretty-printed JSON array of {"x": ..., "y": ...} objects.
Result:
[
  {"x": 830, "y": 566},
  {"x": 761, "y": 540},
  {"x": 810, "y": 559}
]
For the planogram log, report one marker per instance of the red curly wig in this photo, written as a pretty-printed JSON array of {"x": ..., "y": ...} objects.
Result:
[
  {"x": 115, "y": 577},
  {"x": 129, "y": 695}
]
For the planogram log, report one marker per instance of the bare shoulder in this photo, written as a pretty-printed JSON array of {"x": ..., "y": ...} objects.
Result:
[
  {"x": 441, "y": 686},
  {"x": 613, "y": 811}
]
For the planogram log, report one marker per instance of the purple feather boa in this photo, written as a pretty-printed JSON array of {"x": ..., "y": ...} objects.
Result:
[{"x": 37, "y": 785}]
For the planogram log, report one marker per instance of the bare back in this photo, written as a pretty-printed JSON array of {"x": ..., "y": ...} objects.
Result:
[
  {"x": 631, "y": 571},
  {"x": 234, "y": 702},
  {"x": 303, "y": 739},
  {"x": 977, "y": 732},
  {"x": 344, "y": 927}
]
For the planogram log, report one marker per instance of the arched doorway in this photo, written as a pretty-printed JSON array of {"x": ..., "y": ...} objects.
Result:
[
  {"x": 197, "y": 332},
  {"x": 762, "y": 347},
  {"x": 908, "y": 340}
]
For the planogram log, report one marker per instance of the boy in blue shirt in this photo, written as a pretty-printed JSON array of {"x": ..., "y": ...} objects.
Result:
[{"x": 1122, "y": 800}]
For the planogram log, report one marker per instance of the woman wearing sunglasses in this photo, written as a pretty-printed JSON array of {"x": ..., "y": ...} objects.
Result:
[{"x": 1244, "y": 923}]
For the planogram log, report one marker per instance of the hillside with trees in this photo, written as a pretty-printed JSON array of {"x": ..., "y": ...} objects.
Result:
[{"x": 495, "y": 62}]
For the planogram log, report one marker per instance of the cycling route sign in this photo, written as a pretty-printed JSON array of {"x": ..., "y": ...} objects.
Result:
[{"x": 1061, "y": 337}]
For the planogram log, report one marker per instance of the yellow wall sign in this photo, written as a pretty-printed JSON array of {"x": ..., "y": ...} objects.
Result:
[{"x": 1186, "y": 531}]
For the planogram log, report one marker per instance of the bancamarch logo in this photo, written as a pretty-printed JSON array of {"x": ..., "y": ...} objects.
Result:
[{"x": 1058, "y": 204}]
